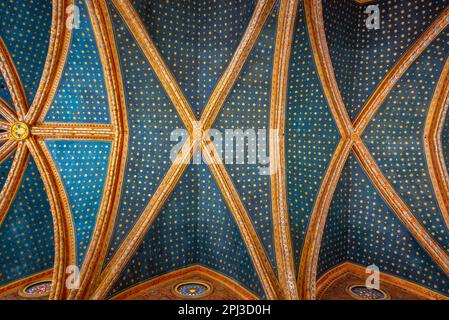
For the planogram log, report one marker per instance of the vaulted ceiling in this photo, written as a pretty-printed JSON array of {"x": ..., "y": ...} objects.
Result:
[{"x": 358, "y": 133}]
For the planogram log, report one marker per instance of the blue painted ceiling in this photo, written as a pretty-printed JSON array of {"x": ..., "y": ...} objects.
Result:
[
  {"x": 195, "y": 226},
  {"x": 361, "y": 228}
]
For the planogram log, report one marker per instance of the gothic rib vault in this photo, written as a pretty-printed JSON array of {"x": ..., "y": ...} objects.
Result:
[{"x": 85, "y": 138}]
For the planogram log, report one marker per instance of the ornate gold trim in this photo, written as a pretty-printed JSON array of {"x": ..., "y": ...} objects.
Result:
[
  {"x": 433, "y": 148},
  {"x": 14, "y": 286},
  {"x": 281, "y": 225},
  {"x": 209, "y": 289},
  {"x": 137, "y": 233},
  {"x": 238, "y": 210},
  {"x": 65, "y": 242},
  {"x": 23, "y": 291},
  {"x": 334, "y": 274},
  {"x": 4, "y": 136},
  {"x": 74, "y": 131},
  {"x": 60, "y": 37},
  {"x": 7, "y": 148},
  {"x": 65, "y": 245},
  {"x": 7, "y": 112},
  {"x": 229, "y": 283},
  {"x": 393, "y": 76},
  {"x": 310, "y": 253},
  {"x": 104, "y": 227},
  {"x": 351, "y": 139},
  {"x": 4, "y": 125},
  {"x": 135, "y": 236},
  {"x": 161, "y": 70},
  {"x": 226, "y": 82},
  {"x": 315, "y": 26},
  {"x": 399, "y": 207},
  {"x": 312, "y": 241},
  {"x": 13, "y": 82}
]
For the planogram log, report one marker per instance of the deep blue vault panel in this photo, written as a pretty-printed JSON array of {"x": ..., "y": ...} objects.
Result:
[
  {"x": 375, "y": 234},
  {"x": 25, "y": 29},
  {"x": 197, "y": 39},
  {"x": 395, "y": 137},
  {"x": 26, "y": 235},
  {"x": 194, "y": 227},
  {"x": 83, "y": 167},
  {"x": 81, "y": 95},
  {"x": 311, "y": 135},
  {"x": 362, "y": 57}
]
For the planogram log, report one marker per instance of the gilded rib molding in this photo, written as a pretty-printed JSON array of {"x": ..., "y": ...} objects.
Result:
[
  {"x": 65, "y": 242},
  {"x": 97, "y": 250},
  {"x": 74, "y": 131},
  {"x": 4, "y": 125},
  {"x": 306, "y": 279},
  {"x": 95, "y": 282},
  {"x": 433, "y": 145},
  {"x": 7, "y": 112},
  {"x": 13, "y": 82},
  {"x": 282, "y": 237},
  {"x": 58, "y": 48},
  {"x": 312, "y": 243},
  {"x": 225, "y": 84},
  {"x": 399, "y": 207},
  {"x": 137, "y": 233},
  {"x": 6, "y": 149},
  {"x": 315, "y": 27},
  {"x": 135, "y": 236},
  {"x": 161, "y": 70},
  {"x": 351, "y": 139},
  {"x": 4, "y": 136},
  {"x": 237, "y": 208},
  {"x": 380, "y": 94}
]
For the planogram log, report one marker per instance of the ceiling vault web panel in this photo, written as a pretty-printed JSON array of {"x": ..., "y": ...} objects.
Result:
[
  {"x": 370, "y": 232},
  {"x": 151, "y": 118},
  {"x": 194, "y": 227},
  {"x": 36, "y": 132},
  {"x": 248, "y": 108},
  {"x": 26, "y": 233},
  {"x": 196, "y": 39},
  {"x": 436, "y": 142},
  {"x": 97, "y": 251},
  {"x": 278, "y": 105},
  {"x": 95, "y": 86},
  {"x": 403, "y": 121},
  {"x": 351, "y": 139},
  {"x": 362, "y": 57},
  {"x": 26, "y": 40},
  {"x": 311, "y": 134},
  {"x": 180, "y": 163},
  {"x": 82, "y": 166},
  {"x": 81, "y": 95}
]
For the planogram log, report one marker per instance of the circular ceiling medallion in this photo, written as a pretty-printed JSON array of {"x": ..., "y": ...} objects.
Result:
[
  {"x": 361, "y": 292},
  {"x": 19, "y": 131},
  {"x": 192, "y": 289},
  {"x": 37, "y": 289}
]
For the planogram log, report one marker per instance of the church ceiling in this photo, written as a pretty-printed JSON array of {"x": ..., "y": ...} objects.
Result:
[{"x": 357, "y": 136}]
